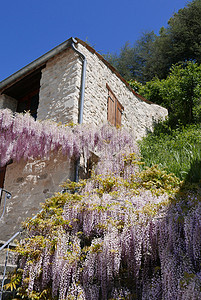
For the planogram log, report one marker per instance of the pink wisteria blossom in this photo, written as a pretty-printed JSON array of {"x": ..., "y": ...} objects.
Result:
[{"x": 112, "y": 240}]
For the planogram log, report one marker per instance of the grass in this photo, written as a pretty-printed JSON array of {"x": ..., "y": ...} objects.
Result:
[{"x": 177, "y": 150}]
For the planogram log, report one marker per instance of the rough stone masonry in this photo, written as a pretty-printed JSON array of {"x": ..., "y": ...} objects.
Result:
[{"x": 33, "y": 181}]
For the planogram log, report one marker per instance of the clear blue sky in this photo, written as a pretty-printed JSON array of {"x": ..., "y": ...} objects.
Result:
[{"x": 30, "y": 28}]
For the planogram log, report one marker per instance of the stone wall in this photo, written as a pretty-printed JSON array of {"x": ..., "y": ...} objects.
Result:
[
  {"x": 8, "y": 102},
  {"x": 60, "y": 88},
  {"x": 60, "y": 93},
  {"x": 138, "y": 115},
  {"x": 30, "y": 183}
]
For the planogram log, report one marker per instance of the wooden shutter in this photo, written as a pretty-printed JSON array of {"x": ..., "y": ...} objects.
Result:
[
  {"x": 111, "y": 109},
  {"x": 119, "y": 110},
  {"x": 115, "y": 109}
]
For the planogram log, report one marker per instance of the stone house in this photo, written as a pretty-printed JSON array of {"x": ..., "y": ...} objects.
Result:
[{"x": 70, "y": 83}]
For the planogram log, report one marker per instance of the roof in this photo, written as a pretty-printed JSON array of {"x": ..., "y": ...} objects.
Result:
[
  {"x": 39, "y": 62},
  {"x": 36, "y": 64}
]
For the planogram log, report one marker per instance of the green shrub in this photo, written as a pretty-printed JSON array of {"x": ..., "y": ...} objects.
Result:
[{"x": 177, "y": 150}]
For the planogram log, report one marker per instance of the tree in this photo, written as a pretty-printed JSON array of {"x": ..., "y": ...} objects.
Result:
[
  {"x": 180, "y": 92},
  {"x": 184, "y": 29},
  {"x": 144, "y": 50},
  {"x": 154, "y": 55},
  {"x": 131, "y": 62},
  {"x": 180, "y": 41}
]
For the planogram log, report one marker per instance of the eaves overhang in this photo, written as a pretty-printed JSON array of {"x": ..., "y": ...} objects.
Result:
[
  {"x": 36, "y": 64},
  {"x": 39, "y": 62}
]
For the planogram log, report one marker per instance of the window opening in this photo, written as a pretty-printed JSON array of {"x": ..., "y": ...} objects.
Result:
[{"x": 29, "y": 103}]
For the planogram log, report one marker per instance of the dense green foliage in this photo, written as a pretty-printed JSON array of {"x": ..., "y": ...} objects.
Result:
[
  {"x": 132, "y": 62},
  {"x": 179, "y": 151},
  {"x": 153, "y": 55},
  {"x": 166, "y": 69},
  {"x": 181, "y": 40},
  {"x": 180, "y": 92}
]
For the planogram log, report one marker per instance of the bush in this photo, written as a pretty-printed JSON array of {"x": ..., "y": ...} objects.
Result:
[{"x": 177, "y": 150}]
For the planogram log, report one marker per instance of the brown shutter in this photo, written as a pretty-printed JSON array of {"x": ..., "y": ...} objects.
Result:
[
  {"x": 119, "y": 109},
  {"x": 111, "y": 109},
  {"x": 115, "y": 109}
]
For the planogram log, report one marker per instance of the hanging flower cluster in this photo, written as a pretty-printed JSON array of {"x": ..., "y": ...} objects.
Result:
[
  {"x": 23, "y": 137},
  {"x": 121, "y": 234},
  {"x": 113, "y": 241}
]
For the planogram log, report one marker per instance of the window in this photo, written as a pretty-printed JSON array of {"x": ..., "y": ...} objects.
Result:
[{"x": 114, "y": 109}]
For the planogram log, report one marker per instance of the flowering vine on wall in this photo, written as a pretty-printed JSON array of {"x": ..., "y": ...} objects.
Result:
[
  {"x": 121, "y": 234},
  {"x": 23, "y": 137}
]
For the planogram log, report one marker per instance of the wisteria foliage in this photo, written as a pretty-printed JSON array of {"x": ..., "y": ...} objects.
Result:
[
  {"x": 23, "y": 137},
  {"x": 120, "y": 234},
  {"x": 114, "y": 245}
]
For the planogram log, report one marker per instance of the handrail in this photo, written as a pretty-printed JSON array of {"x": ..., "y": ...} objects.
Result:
[
  {"x": 17, "y": 233},
  {"x": 8, "y": 244},
  {"x": 11, "y": 239}
]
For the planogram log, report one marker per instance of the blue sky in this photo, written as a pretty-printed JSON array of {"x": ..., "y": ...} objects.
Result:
[{"x": 30, "y": 28}]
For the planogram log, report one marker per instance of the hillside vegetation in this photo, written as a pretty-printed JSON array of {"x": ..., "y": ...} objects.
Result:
[
  {"x": 176, "y": 150},
  {"x": 166, "y": 70}
]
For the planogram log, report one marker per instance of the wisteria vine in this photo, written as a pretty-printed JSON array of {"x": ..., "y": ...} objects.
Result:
[
  {"x": 111, "y": 241},
  {"x": 121, "y": 234},
  {"x": 21, "y": 137}
]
